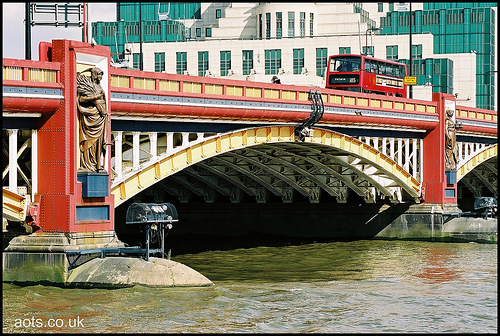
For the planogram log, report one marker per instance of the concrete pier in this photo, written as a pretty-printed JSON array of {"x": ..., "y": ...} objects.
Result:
[
  {"x": 42, "y": 258},
  {"x": 434, "y": 222}
]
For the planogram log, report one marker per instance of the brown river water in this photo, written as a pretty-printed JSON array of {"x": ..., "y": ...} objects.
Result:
[{"x": 339, "y": 287}]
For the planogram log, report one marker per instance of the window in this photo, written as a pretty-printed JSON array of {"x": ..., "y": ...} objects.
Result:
[
  {"x": 159, "y": 62},
  {"x": 291, "y": 24},
  {"x": 208, "y": 32},
  {"x": 380, "y": 7},
  {"x": 368, "y": 50},
  {"x": 268, "y": 26},
  {"x": 198, "y": 32},
  {"x": 298, "y": 61},
  {"x": 321, "y": 59},
  {"x": 392, "y": 53},
  {"x": 225, "y": 62},
  {"x": 180, "y": 63},
  {"x": 273, "y": 61},
  {"x": 136, "y": 61},
  {"x": 344, "y": 50},
  {"x": 260, "y": 26},
  {"x": 416, "y": 51},
  {"x": 218, "y": 13},
  {"x": 247, "y": 61},
  {"x": 302, "y": 24},
  {"x": 311, "y": 24},
  {"x": 202, "y": 63},
  {"x": 279, "y": 25}
]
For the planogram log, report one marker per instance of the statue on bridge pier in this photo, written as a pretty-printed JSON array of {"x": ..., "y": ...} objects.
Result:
[
  {"x": 451, "y": 149},
  {"x": 93, "y": 118}
]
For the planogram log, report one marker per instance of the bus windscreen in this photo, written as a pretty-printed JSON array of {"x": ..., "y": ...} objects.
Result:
[{"x": 345, "y": 64}]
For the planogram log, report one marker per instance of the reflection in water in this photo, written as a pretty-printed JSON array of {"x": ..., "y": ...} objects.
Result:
[
  {"x": 342, "y": 287},
  {"x": 438, "y": 265}
]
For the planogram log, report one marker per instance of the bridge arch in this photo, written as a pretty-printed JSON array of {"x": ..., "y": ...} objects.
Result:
[
  {"x": 480, "y": 170},
  {"x": 270, "y": 160}
]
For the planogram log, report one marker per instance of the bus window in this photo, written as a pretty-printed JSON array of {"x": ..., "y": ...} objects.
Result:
[
  {"x": 382, "y": 69},
  {"x": 345, "y": 63},
  {"x": 391, "y": 70}
]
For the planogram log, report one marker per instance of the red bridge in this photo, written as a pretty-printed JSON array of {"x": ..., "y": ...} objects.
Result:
[{"x": 192, "y": 140}]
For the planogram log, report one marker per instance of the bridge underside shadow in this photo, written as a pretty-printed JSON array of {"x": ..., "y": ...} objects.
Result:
[{"x": 222, "y": 226}]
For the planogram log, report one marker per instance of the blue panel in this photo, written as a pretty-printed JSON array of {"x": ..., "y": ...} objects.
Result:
[
  {"x": 451, "y": 177},
  {"x": 86, "y": 213},
  {"x": 94, "y": 184},
  {"x": 449, "y": 193}
]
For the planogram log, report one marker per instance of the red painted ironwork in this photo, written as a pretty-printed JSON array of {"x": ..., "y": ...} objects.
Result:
[{"x": 59, "y": 192}]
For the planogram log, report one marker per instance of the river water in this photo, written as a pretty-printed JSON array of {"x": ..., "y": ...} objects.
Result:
[{"x": 359, "y": 287}]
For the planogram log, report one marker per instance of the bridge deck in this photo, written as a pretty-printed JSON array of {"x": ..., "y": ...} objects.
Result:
[{"x": 33, "y": 87}]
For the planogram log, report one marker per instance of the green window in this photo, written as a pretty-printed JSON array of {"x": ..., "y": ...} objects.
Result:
[
  {"x": 311, "y": 24},
  {"x": 291, "y": 24},
  {"x": 247, "y": 62},
  {"x": 159, "y": 62},
  {"x": 279, "y": 25},
  {"x": 198, "y": 32},
  {"x": 368, "y": 50},
  {"x": 202, "y": 63},
  {"x": 392, "y": 53},
  {"x": 344, "y": 50},
  {"x": 380, "y": 7},
  {"x": 208, "y": 32},
  {"x": 136, "y": 60},
  {"x": 416, "y": 51},
  {"x": 298, "y": 61},
  {"x": 180, "y": 63},
  {"x": 225, "y": 62},
  {"x": 302, "y": 24},
  {"x": 260, "y": 26},
  {"x": 273, "y": 61},
  {"x": 268, "y": 26},
  {"x": 321, "y": 59},
  {"x": 218, "y": 13}
]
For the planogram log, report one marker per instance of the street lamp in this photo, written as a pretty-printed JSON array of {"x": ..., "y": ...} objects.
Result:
[{"x": 366, "y": 38}]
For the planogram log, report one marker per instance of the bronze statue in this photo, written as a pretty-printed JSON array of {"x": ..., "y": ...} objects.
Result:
[
  {"x": 451, "y": 149},
  {"x": 93, "y": 118}
]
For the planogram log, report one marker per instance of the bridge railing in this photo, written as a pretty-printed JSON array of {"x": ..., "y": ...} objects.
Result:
[
  {"x": 44, "y": 74},
  {"x": 126, "y": 80},
  {"x": 33, "y": 73},
  {"x": 471, "y": 113}
]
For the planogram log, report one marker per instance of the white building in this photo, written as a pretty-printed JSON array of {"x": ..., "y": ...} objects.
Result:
[{"x": 229, "y": 35}]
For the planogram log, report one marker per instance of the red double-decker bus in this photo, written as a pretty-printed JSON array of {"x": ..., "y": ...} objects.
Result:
[{"x": 366, "y": 74}]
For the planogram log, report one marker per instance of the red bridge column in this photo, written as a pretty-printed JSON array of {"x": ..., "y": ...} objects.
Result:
[
  {"x": 59, "y": 191},
  {"x": 435, "y": 184}
]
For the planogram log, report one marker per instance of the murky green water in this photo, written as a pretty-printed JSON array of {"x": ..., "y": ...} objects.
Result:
[{"x": 362, "y": 286}]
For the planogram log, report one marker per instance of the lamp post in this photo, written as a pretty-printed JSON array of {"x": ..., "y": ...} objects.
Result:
[
  {"x": 140, "y": 37},
  {"x": 366, "y": 38},
  {"x": 27, "y": 40},
  {"x": 411, "y": 56}
]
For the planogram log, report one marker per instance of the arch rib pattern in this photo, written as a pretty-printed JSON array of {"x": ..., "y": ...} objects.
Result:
[{"x": 327, "y": 160}]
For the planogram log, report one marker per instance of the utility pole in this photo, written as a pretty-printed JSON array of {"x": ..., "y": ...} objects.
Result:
[
  {"x": 411, "y": 86},
  {"x": 85, "y": 18},
  {"x": 140, "y": 37},
  {"x": 27, "y": 38}
]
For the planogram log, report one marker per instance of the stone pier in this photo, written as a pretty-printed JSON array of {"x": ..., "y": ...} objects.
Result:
[{"x": 49, "y": 258}]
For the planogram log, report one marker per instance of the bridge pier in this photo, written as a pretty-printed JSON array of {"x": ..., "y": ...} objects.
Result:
[
  {"x": 431, "y": 221},
  {"x": 76, "y": 207}
]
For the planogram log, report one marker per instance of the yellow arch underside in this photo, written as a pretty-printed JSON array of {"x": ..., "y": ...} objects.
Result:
[
  {"x": 475, "y": 161},
  {"x": 222, "y": 143}
]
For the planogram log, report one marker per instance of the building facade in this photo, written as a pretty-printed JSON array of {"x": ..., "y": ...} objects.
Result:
[{"x": 453, "y": 45}]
